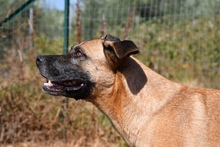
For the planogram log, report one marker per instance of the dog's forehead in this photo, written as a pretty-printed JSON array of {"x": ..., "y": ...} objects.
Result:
[
  {"x": 76, "y": 46},
  {"x": 90, "y": 45}
]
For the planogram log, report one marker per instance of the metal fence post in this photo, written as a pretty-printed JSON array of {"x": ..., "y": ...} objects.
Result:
[{"x": 65, "y": 50}]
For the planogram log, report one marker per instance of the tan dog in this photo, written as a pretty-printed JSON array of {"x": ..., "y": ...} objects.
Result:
[{"x": 145, "y": 108}]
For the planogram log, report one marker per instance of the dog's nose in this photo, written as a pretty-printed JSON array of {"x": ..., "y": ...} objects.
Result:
[{"x": 40, "y": 59}]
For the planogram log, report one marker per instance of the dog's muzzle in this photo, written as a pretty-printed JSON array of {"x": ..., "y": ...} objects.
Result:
[{"x": 62, "y": 77}]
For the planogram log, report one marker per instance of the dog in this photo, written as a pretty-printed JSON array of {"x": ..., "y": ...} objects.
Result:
[{"x": 143, "y": 106}]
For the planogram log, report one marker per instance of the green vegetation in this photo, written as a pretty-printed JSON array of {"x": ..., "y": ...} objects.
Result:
[{"x": 185, "y": 50}]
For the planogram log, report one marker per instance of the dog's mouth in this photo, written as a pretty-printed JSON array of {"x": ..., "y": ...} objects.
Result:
[{"x": 61, "y": 87}]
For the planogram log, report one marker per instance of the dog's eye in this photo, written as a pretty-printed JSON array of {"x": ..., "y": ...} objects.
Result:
[{"x": 78, "y": 54}]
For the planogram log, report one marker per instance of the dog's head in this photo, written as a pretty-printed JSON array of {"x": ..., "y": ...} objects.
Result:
[{"x": 87, "y": 69}]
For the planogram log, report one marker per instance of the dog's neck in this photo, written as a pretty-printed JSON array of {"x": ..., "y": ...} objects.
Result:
[{"x": 129, "y": 112}]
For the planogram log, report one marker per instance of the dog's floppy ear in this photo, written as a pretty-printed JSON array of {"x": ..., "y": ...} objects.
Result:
[{"x": 116, "y": 51}]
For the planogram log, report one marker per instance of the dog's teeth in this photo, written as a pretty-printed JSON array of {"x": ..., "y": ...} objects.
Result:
[{"x": 50, "y": 83}]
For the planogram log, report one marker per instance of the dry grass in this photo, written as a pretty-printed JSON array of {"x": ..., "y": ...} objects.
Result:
[
  {"x": 58, "y": 143},
  {"x": 29, "y": 117}
]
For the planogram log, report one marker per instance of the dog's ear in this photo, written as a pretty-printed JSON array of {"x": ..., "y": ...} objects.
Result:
[{"x": 116, "y": 51}]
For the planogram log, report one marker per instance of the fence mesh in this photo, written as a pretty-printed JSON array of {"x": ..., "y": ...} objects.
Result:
[
  {"x": 179, "y": 39},
  {"x": 187, "y": 30}
]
